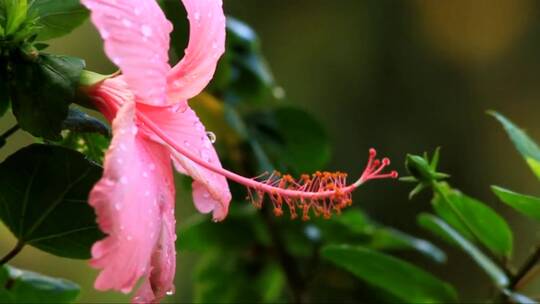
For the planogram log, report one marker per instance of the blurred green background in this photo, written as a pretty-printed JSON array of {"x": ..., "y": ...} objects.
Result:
[{"x": 400, "y": 76}]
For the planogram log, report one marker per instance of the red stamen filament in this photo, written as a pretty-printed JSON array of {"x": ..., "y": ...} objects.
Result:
[{"x": 322, "y": 192}]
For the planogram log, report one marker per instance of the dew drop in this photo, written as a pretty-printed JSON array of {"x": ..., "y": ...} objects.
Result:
[
  {"x": 146, "y": 30},
  {"x": 134, "y": 130},
  {"x": 117, "y": 207},
  {"x": 152, "y": 167},
  {"x": 123, "y": 180},
  {"x": 137, "y": 11},
  {"x": 211, "y": 136},
  {"x": 129, "y": 238},
  {"x": 146, "y": 193},
  {"x": 104, "y": 34},
  {"x": 206, "y": 195},
  {"x": 186, "y": 143},
  {"x": 126, "y": 22},
  {"x": 145, "y": 174},
  {"x": 205, "y": 155},
  {"x": 197, "y": 16}
]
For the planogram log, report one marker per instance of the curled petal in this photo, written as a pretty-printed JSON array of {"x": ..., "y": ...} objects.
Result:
[
  {"x": 136, "y": 35},
  {"x": 136, "y": 183},
  {"x": 210, "y": 190},
  {"x": 206, "y": 45}
]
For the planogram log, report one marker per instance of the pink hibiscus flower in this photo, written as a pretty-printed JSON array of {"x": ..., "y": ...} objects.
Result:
[{"x": 152, "y": 125}]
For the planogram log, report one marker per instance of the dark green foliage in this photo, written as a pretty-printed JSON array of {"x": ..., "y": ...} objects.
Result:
[
  {"x": 405, "y": 281},
  {"x": 57, "y": 18},
  {"x": 43, "y": 199},
  {"x": 41, "y": 91}
]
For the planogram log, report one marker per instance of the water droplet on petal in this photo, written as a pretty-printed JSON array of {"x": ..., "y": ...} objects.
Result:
[
  {"x": 206, "y": 195},
  {"x": 123, "y": 180},
  {"x": 104, "y": 34},
  {"x": 137, "y": 11},
  {"x": 134, "y": 130},
  {"x": 211, "y": 136},
  {"x": 129, "y": 238},
  {"x": 146, "y": 30},
  {"x": 197, "y": 16},
  {"x": 145, "y": 174},
  {"x": 117, "y": 206},
  {"x": 126, "y": 22},
  {"x": 152, "y": 167},
  {"x": 186, "y": 143}
]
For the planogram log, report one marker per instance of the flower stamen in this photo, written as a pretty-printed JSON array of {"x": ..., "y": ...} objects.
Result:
[{"x": 322, "y": 193}]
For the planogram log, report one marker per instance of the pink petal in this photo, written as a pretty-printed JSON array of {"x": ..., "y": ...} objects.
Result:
[
  {"x": 206, "y": 44},
  {"x": 129, "y": 201},
  {"x": 210, "y": 190},
  {"x": 160, "y": 281},
  {"x": 136, "y": 35}
]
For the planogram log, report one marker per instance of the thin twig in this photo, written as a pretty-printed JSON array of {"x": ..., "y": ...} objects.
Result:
[
  {"x": 10, "y": 132},
  {"x": 523, "y": 275},
  {"x": 10, "y": 255}
]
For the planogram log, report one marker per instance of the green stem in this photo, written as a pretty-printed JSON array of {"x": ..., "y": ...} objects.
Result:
[
  {"x": 525, "y": 273},
  {"x": 10, "y": 255}
]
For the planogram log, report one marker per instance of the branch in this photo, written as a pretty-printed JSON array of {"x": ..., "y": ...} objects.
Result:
[
  {"x": 10, "y": 255},
  {"x": 524, "y": 274}
]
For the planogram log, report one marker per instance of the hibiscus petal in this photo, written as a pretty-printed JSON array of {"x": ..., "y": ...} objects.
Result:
[
  {"x": 136, "y": 35},
  {"x": 160, "y": 281},
  {"x": 206, "y": 44},
  {"x": 210, "y": 190},
  {"x": 128, "y": 201}
]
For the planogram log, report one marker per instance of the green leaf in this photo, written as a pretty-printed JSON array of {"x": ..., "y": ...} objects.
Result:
[
  {"x": 401, "y": 279},
  {"x": 43, "y": 193},
  {"x": 442, "y": 229},
  {"x": 41, "y": 93},
  {"x": 292, "y": 138},
  {"x": 380, "y": 237},
  {"x": 390, "y": 239},
  {"x": 57, "y": 18},
  {"x": 526, "y": 146},
  {"x": 16, "y": 12},
  {"x": 21, "y": 286},
  {"x": 527, "y": 205},
  {"x": 473, "y": 219}
]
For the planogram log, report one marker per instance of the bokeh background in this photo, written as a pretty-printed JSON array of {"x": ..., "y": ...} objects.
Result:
[{"x": 401, "y": 76}]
